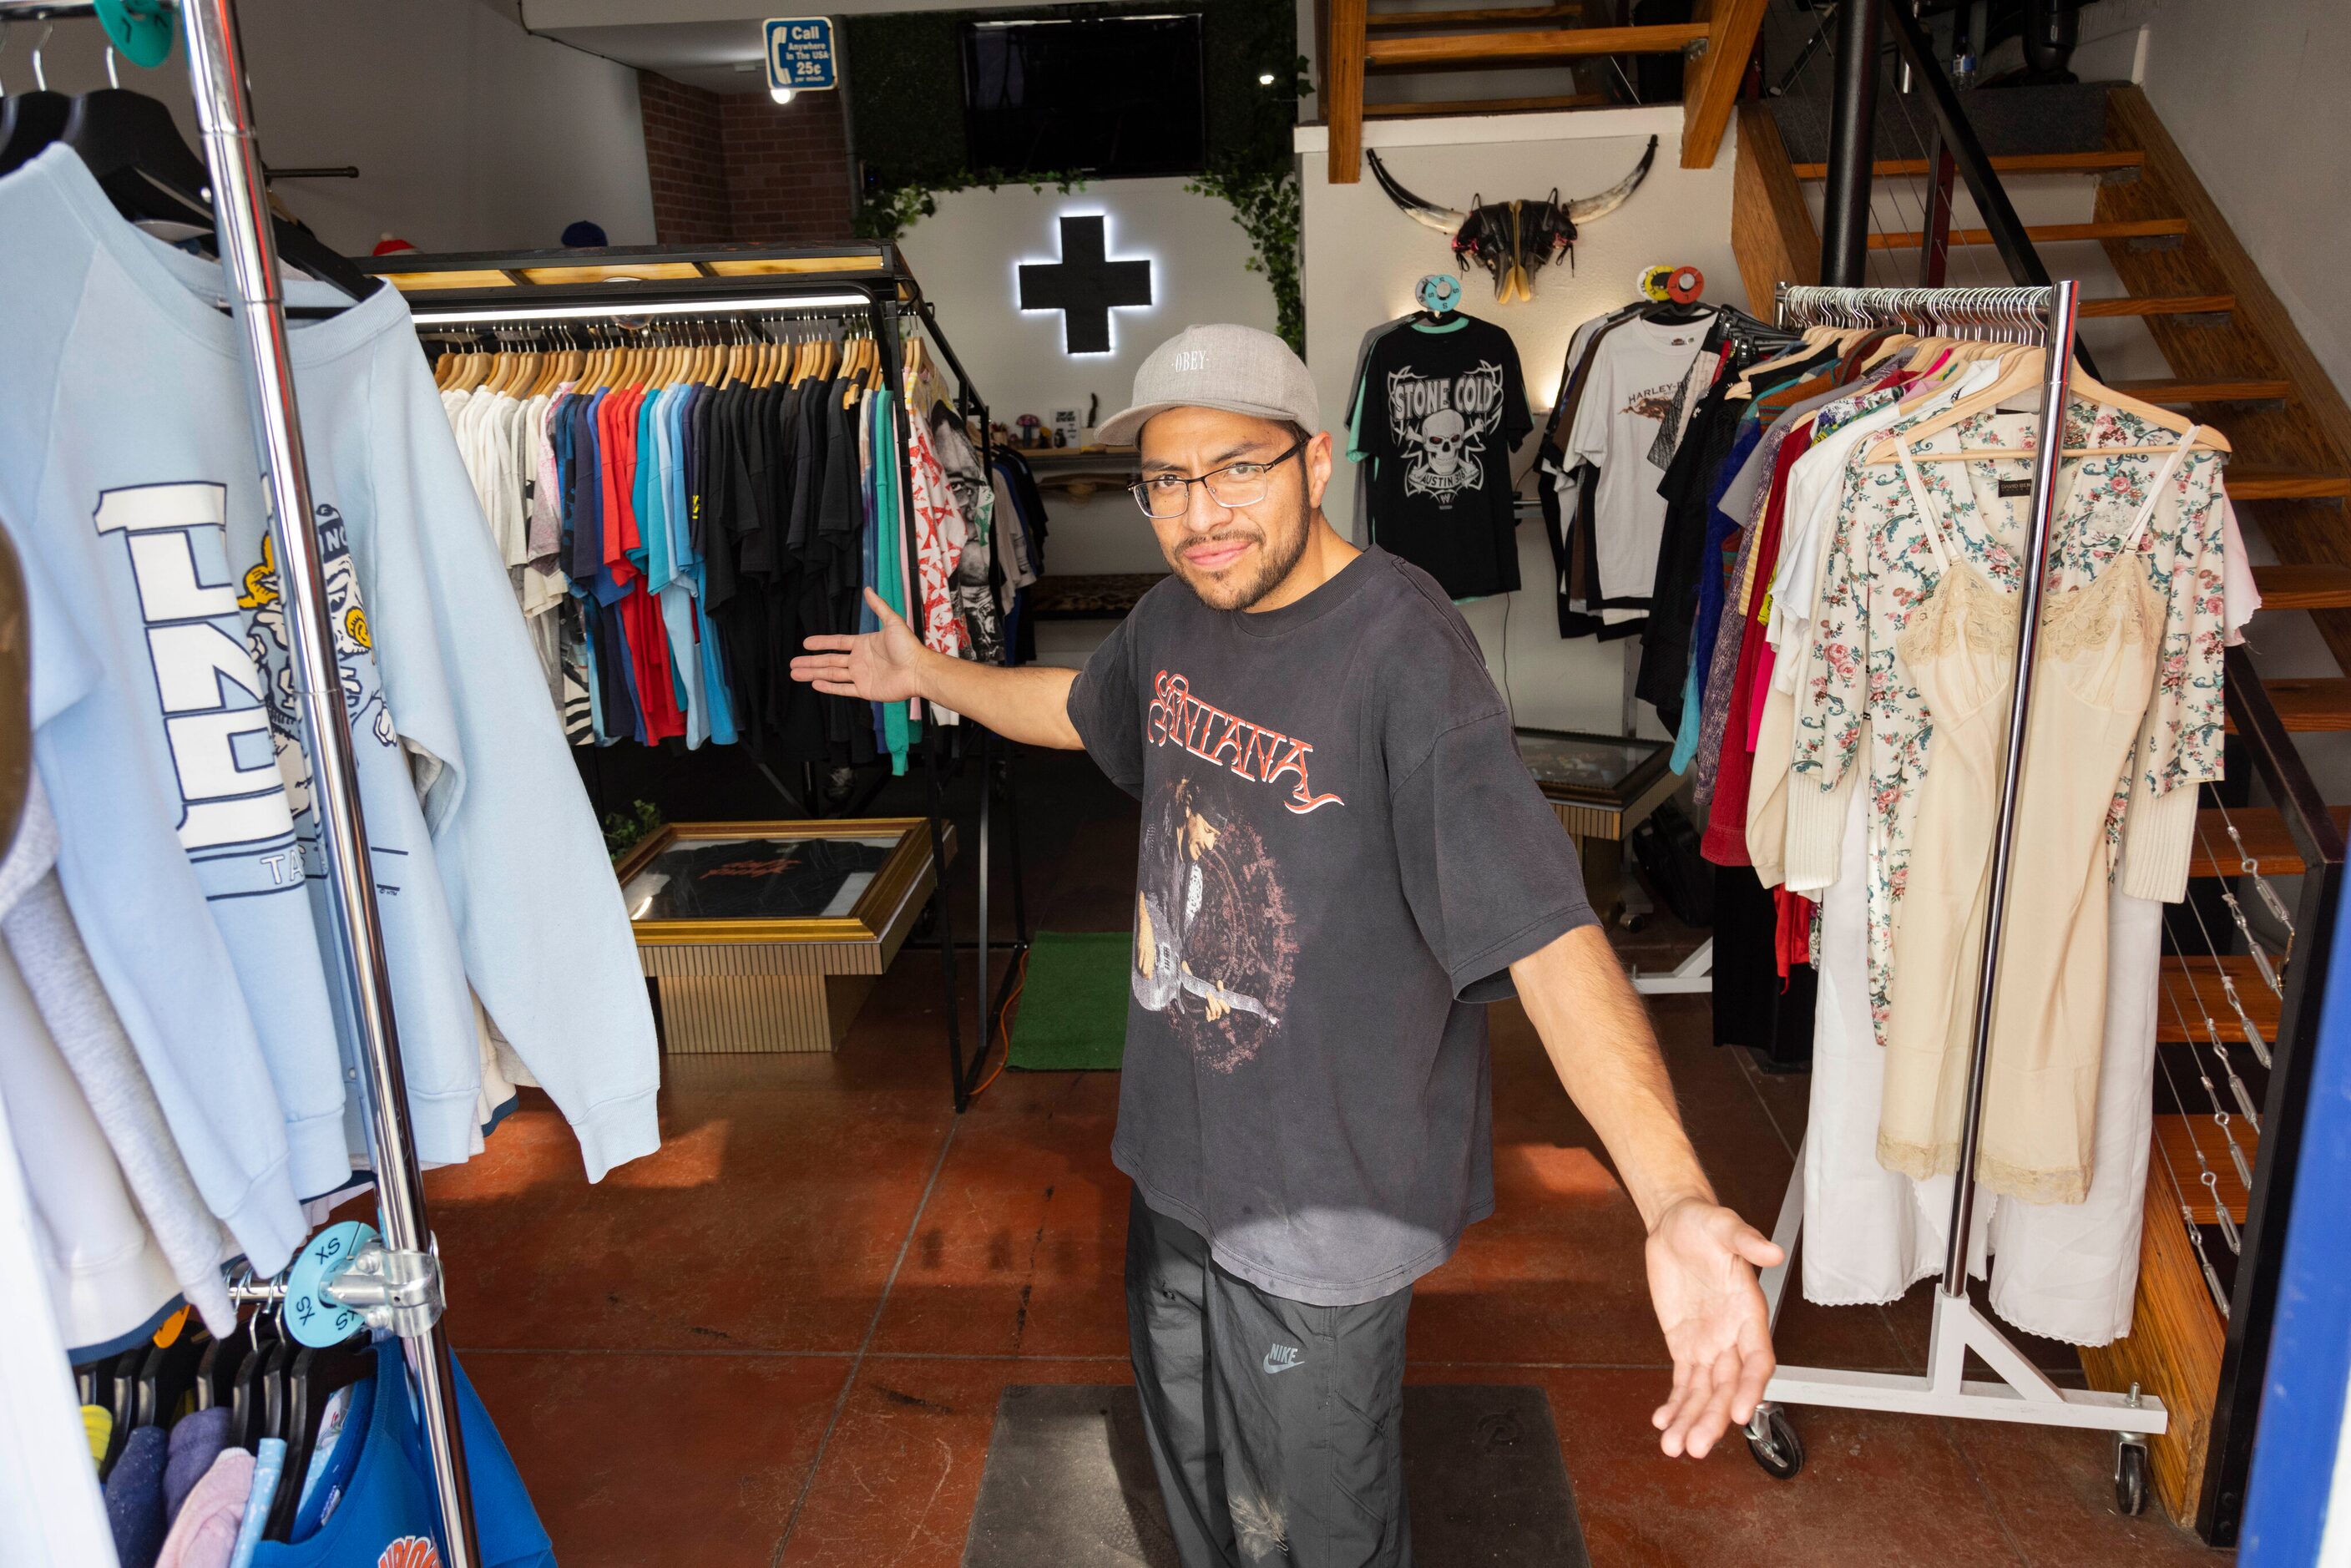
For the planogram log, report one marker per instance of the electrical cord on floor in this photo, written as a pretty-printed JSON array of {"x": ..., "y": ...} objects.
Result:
[{"x": 1004, "y": 1027}]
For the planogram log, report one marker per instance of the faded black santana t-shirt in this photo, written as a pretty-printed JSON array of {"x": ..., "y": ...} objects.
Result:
[{"x": 1341, "y": 856}]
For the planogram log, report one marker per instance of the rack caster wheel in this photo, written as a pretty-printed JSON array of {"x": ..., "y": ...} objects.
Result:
[
  {"x": 2130, "y": 1475},
  {"x": 1771, "y": 1439}
]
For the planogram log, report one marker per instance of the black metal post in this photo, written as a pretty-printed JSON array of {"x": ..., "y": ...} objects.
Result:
[{"x": 1853, "y": 147}]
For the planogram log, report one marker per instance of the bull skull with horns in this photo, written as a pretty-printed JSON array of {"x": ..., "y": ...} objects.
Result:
[{"x": 1515, "y": 240}]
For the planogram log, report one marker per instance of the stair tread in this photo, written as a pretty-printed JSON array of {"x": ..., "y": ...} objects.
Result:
[
  {"x": 2312, "y": 704},
  {"x": 2042, "y": 234},
  {"x": 2263, "y": 832},
  {"x": 2181, "y": 1138},
  {"x": 1393, "y": 21},
  {"x": 1454, "y": 107},
  {"x": 2161, "y": 304},
  {"x": 2319, "y": 586},
  {"x": 2255, "y": 482},
  {"x": 2236, "y": 390},
  {"x": 2015, "y": 163},
  {"x": 1442, "y": 51},
  {"x": 2192, "y": 992}
]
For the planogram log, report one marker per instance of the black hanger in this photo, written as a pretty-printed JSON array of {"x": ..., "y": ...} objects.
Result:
[
  {"x": 122, "y": 1390},
  {"x": 1667, "y": 313},
  {"x": 317, "y": 1375},
  {"x": 168, "y": 1376},
  {"x": 28, "y": 122},
  {"x": 216, "y": 1370},
  {"x": 247, "y": 1423},
  {"x": 135, "y": 151}
]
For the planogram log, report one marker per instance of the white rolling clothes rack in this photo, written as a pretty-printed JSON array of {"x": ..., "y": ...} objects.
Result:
[
  {"x": 2022, "y": 1392},
  {"x": 399, "y": 1285}
]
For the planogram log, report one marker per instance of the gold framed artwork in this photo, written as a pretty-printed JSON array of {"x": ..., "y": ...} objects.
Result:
[{"x": 767, "y": 935}]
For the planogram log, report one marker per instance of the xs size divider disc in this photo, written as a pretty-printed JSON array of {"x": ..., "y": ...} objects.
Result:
[
  {"x": 312, "y": 1316},
  {"x": 1685, "y": 286}
]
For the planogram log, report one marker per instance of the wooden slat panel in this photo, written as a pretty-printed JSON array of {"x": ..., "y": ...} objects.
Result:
[
  {"x": 2314, "y": 705},
  {"x": 1771, "y": 231},
  {"x": 1507, "y": 16},
  {"x": 2303, "y": 586},
  {"x": 1452, "y": 108},
  {"x": 2249, "y": 482},
  {"x": 2015, "y": 163},
  {"x": 416, "y": 282},
  {"x": 1342, "y": 91},
  {"x": 2174, "y": 305},
  {"x": 2173, "y": 1350},
  {"x": 1711, "y": 81},
  {"x": 2177, "y": 393},
  {"x": 603, "y": 273},
  {"x": 769, "y": 266},
  {"x": 2194, "y": 984},
  {"x": 2042, "y": 234},
  {"x": 2265, "y": 834},
  {"x": 1442, "y": 51}
]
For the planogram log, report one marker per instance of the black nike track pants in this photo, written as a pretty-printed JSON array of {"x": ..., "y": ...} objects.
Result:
[{"x": 1276, "y": 1426}]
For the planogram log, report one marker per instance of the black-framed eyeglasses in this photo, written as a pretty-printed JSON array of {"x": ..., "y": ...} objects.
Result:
[{"x": 1166, "y": 496}]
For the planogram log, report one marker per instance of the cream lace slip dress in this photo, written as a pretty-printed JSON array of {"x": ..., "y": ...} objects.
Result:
[{"x": 2097, "y": 658}]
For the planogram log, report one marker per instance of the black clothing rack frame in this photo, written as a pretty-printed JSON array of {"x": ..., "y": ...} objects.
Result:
[{"x": 546, "y": 287}]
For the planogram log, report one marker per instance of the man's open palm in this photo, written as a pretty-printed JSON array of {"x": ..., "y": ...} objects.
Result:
[
  {"x": 876, "y": 665},
  {"x": 1702, "y": 1260}
]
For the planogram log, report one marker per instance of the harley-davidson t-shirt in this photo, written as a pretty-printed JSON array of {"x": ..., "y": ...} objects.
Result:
[
  {"x": 1439, "y": 414},
  {"x": 1342, "y": 857}
]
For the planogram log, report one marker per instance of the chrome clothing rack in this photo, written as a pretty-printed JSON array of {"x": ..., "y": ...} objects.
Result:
[{"x": 2021, "y": 1392}]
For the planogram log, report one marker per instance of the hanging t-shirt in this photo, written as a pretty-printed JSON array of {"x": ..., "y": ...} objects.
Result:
[
  {"x": 1438, "y": 414},
  {"x": 1342, "y": 855},
  {"x": 384, "y": 1512},
  {"x": 1624, "y": 426}
]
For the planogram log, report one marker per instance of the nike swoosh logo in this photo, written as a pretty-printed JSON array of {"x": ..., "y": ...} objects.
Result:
[{"x": 1281, "y": 1359}]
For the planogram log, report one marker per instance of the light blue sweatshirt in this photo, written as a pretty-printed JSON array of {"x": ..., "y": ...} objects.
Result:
[{"x": 115, "y": 369}]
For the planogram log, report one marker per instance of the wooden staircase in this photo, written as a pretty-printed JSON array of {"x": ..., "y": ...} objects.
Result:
[
  {"x": 1715, "y": 49},
  {"x": 2237, "y": 360}
]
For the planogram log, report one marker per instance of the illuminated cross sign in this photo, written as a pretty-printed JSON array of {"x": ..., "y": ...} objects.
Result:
[{"x": 1084, "y": 286}]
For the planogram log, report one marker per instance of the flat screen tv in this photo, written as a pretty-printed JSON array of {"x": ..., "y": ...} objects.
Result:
[{"x": 1104, "y": 96}]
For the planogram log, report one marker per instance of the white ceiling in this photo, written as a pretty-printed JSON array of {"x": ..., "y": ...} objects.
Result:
[{"x": 712, "y": 44}]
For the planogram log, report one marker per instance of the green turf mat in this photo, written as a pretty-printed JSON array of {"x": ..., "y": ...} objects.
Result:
[{"x": 1072, "y": 1007}]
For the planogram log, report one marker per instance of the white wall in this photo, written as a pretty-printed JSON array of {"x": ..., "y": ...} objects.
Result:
[
  {"x": 1364, "y": 258},
  {"x": 965, "y": 256},
  {"x": 469, "y": 133},
  {"x": 2252, "y": 93}
]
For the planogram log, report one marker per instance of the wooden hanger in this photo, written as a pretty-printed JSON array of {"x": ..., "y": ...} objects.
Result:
[{"x": 2019, "y": 375}]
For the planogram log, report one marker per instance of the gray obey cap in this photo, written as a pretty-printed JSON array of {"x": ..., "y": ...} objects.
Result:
[{"x": 1238, "y": 369}]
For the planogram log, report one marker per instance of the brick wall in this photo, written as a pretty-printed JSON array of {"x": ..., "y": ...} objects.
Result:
[
  {"x": 740, "y": 167},
  {"x": 684, "y": 161},
  {"x": 788, "y": 168}
]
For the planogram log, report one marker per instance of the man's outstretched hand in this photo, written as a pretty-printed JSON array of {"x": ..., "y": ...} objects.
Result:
[
  {"x": 1703, "y": 1259},
  {"x": 879, "y": 666}
]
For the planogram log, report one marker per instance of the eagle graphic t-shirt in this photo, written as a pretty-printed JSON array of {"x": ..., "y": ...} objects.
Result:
[
  {"x": 1438, "y": 412},
  {"x": 1341, "y": 856}
]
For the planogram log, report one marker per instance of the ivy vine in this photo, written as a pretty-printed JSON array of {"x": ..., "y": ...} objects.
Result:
[
  {"x": 890, "y": 210},
  {"x": 1266, "y": 203}
]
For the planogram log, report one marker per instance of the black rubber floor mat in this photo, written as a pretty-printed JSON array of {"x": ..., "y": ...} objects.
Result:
[{"x": 1069, "y": 1482}]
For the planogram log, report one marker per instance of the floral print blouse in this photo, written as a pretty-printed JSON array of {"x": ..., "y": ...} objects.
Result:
[{"x": 1854, "y": 692}]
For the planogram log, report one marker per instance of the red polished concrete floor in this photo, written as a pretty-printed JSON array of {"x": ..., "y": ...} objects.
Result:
[{"x": 782, "y": 1339}]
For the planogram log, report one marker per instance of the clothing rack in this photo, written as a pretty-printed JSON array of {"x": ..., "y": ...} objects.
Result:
[
  {"x": 405, "y": 1293},
  {"x": 2022, "y": 1392},
  {"x": 625, "y": 285}
]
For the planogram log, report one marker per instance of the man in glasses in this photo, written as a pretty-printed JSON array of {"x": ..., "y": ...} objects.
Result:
[{"x": 1342, "y": 860}]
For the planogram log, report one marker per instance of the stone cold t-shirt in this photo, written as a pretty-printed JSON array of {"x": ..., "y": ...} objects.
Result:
[
  {"x": 1341, "y": 856},
  {"x": 1442, "y": 412}
]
